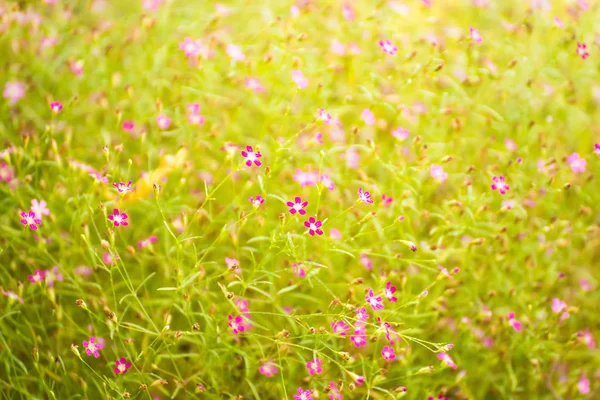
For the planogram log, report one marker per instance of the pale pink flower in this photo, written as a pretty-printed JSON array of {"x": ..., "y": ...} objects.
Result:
[
  {"x": 306, "y": 178},
  {"x": 39, "y": 208},
  {"x": 366, "y": 261},
  {"x": 7, "y": 172},
  {"x": 587, "y": 338},
  {"x": 367, "y": 116},
  {"x": 233, "y": 264},
  {"x": 314, "y": 366},
  {"x": 376, "y": 302},
  {"x": 577, "y": 163},
  {"x": 340, "y": 327},
  {"x": 14, "y": 91},
  {"x": 299, "y": 79},
  {"x": 334, "y": 393},
  {"x": 348, "y": 12},
  {"x": 559, "y": 306},
  {"x": 298, "y": 270},
  {"x": 400, "y": 134},
  {"x": 327, "y": 182},
  {"x": 163, "y": 121},
  {"x": 388, "y": 353},
  {"x": 583, "y": 385},
  {"x": 222, "y": 10},
  {"x": 13, "y": 296},
  {"x": 53, "y": 275},
  {"x": 324, "y": 115},
  {"x": 596, "y": 150},
  {"x": 254, "y": 85},
  {"x": 190, "y": 47},
  {"x": 446, "y": 359},
  {"x": 388, "y": 47},
  {"x": 76, "y": 67},
  {"x": 123, "y": 188},
  {"x": 500, "y": 184},
  {"x": 558, "y": 23},
  {"x": 268, "y": 369},
  {"x": 338, "y": 47},
  {"x": 352, "y": 158},
  {"x": 361, "y": 314},
  {"x": 437, "y": 173},
  {"x": 235, "y": 52},
  {"x": 335, "y": 234},
  {"x": 475, "y": 35},
  {"x": 147, "y": 242}
]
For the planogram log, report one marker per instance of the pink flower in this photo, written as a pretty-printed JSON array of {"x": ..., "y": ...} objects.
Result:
[
  {"x": 359, "y": 380},
  {"x": 306, "y": 178},
  {"x": 254, "y": 85},
  {"x": 334, "y": 393},
  {"x": 190, "y": 47},
  {"x": 388, "y": 47},
  {"x": 352, "y": 158},
  {"x": 29, "y": 218},
  {"x": 386, "y": 200},
  {"x": 84, "y": 271},
  {"x": 92, "y": 347},
  {"x": 366, "y": 261},
  {"x": 340, "y": 327},
  {"x": 163, "y": 122},
  {"x": 500, "y": 184},
  {"x": 388, "y": 353},
  {"x": 587, "y": 338},
  {"x": 118, "y": 218},
  {"x": 303, "y": 394},
  {"x": 389, "y": 292},
  {"x": 256, "y": 201},
  {"x": 196, "y": 119},
  {"x": 268, "y": 369},
  {"x": 37, "y": 276},
  {"x": 298, "y": 270},
  {"x": 376, "y": 302},
  {"x": 365, "y": 197},
  {"x": 147, "y": 242},
  {"x": 559, "y": 306},
  {"x": 596, "y": 150},
  {"x": 475, "y": 35},
  {"x": 122, "y": 366},
  {"x": 233, "y": 264},
  {"x": 39, "y": 208},
  {"x": 582, "y": 51},
  {"x": 7, "y": 173},
  {"x": 338, "y": 47},
  {"x": 123, "y": 188},
  {"x": 242, "y": 305},
  {"x": 516, "y": 325},
  {"x": 108, "y": 259},
  {"x": 324, "y": 115},
  {"x": 314, "y": 366},
  {"x": 297, "y": 206},
  {"x": 236, "y": 324},
  {"x": 128, "y": 126},
  {"x": 335, "y": 234},
  {"x": 400, "y": 133},
  {"x": 56, "y": 107},
  {"x": 76, "y": 67},
  {"x": 558, "y": 23},
  {"x": 299, "y": 79},
  {"x": 14, "y": 91},
  {"x": 361, "y": 314},
  {"x": 13, "y": 296},
  {"x": 327, "y": 182},
  {"x": 235, "y": 52},
  {"x": 314, "y": 226},
  {"x": 446, "y": 359},
  {"x": 348, "y": 12},
  {"x": 583, "y": 385},
  {"x": 577, "y": 164},
  {"x": 437, "y": 173},
  {"x": 359, "y": 339},
  {"x": 53, "y": 275},
  {"x": 367, "y": 116},
  {"x": 251, "y": 156}
]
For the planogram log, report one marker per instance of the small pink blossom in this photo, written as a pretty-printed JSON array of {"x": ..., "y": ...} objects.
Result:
[
  {"x": 314, "y": 226},
  {"x": 389, "y": 292},
  {"x": 39, "y": 208},
  {"x": 361, "y": 314},
  {"x": 93, "y": 347},
  {"x": 558, "y": 23},
  {"x": 400, "y": 133},
  {"x": 559, "y": 306},
  {"x": 56, "y": 107},
  {"x": 128, "y": 126},
  {"x": 298, "y": 270},
  {"x": 252, "y": 156},
  {"x": 53, "y": 275},
  {"x": 299, "y": 79},
  {"x": 14, "y": 91},
  {"x": 376, "y": 302},
  {"x": 335, "y": 234},
  {"x": 13, "y": 296},
  {"x": 446, "y": 359},
  {"x": 359, "y": 380},
  {"x": 475, "y": 35},
  {"x": 324, "y": 115},
  {"x": 334, "y": 393},
  {"x": 500, "y": 184},
  {"x": 388, "y": 47},
  {"x": 122, "y": 366},
  {"x": 437, "y": 173},
  {"x": 306, "y": 178},
  {"x": 118, "y": 218},
  {"x": 577, "y": 163},
  {"x": 297, "y": 206},
  {"x": 147, "y": 242},
  {"x": 29, "y": 218},
  {"x": 256, "y": 201},
  {"x": 38, "y": 276},
  {"x": 388, "y": 353},
  {"x": 235, "y": 52},
  {"x": 123, "y": 188},
  {"x": 236, "y": 324},
  {"x": 7, "y": 173},
  {"x": 583, "y": 385},
  {"x": 327, "y": 182},
  {"x": 352, "y": 158},
  {"x": 234, "y": 264},
  {"x": 76, "y": 67},
  {"x": 365, "y": 197},
  {"x": 190, "y": 47},
  {"x": 268, "y": 369},
  {"x": 596, "y": 149},
  {"x": 359, "y": 339},
  {"x": 314, "y": 366},
  {"x": 242, "y": 305},
  {"x": 368, "y": 117},
  {"x": 163, "y": 122},
  {"x": 587, "y": 338},
  {"x": 196, "y": 119},
  {"x": 582, "y": 51},
  {"x": 516, "y": 325},
  {"x": 254, "y": 85},
  {"x": 340, "y": 327},
  {"x": 303, "y": 394},
  {"x": 366, "y": 261},
  {"x": 348, "y": 12}
]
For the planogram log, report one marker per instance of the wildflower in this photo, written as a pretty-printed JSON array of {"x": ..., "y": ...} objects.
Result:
[
  {"x": 147, "y": 242},
  {"x": 108, "y": 259},
  {"x": 37, "y": 276},
  {"x": 118, "y": 218},
  {"x": 84, "y": 271},
  {"x": 7, "y": 173},
  {"x": 196, "y": 119},
  {"x": 325, "y": 180},
  {"x": 334, "y": 393},
  {"x": 297, "y": 206},
  {"x": 352, "y": 158},
  {"x": 56, "y": 107},
  {"x": 233, "y": 264},
  {"x": 303, "y": 394},
  {"x": 596, "y": 149},
  {"x": 335, "y": 234},
  {"x": 558, "y": 23},
  {"x": 299, "y": 79},
  {"x": 388, "y": 47},
  {"x": 122, "y": 188},
  {"x": 93, "y": 347},
  {"x": 13, "y": 296},
  {"x": 367, "y": 116},
  {"x": 235, "y": 52},
  {"x": 268, "y": 369},
  {"x": 475, "y": 35},
  {"x": 314, "y": 226},
  {"x": 163, "y": 121},
  {"x": 359, "y": 339},
  {"x": 306, "y": 178},
  {"x": 365, "y": 197},
  {"x": 14, "y": 91},
  {"x": 582, "y": 51},
  {"x": 39, "y": 208},
  {"x": 500, "y": 184},
  {"x": 587, "y": 338},
  {"x": 76, "y": 67},
  {"x": 122, "y": 366},
  {"x": 340, "y": 327},
  {"x": 386, "y": 200},
  {"x": 236, "y": 324},
  {"x": 251, "y": 156},
  {"x": 53, "y": 275},
  {"x": 437, "y": 173},
  {"x": 314, "y": 366},
  {"x": 516, "y": 325},
  {"x": 361, "y": 314},
  {"x": 558, "y": 305},
  {"x": 190, "y": 47},
  {"x": 254, "y": 84},
  {"x": 298, "y": 270},
  {"x": 577, "y": 164},
  {"x": 29, "y": 218},
  {"x": 242, "y": 305},
  {"x": 400, "y": 133},
  {"x": 388, "y": 353},
  {"x": 324, "y": 115},
  {"x": 348, "y": 12},
  {"x": 446, "y": 359},
  {"x": 359, "y": 380},
  {"x": 366, "y": 261},
  {"x": 583, "y": 385},
  {"x": 376, "y": 302},
  {"x": 256, "y": 201},
  {"x": 128, "y": 126},
  {"x": 389, "y": 292}
]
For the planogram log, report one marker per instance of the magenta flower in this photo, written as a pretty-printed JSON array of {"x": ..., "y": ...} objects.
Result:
[
  {"x": 128, "y": 126},
  {"x": 14, "y": 91},
  {"x": 314, "y": 366},
  {"x": 235, "y": 52},
  {"x": 147, "y": 242},
  {"x": 251, "y": 156},
  {"x": 359, "y": 380},
  {"x": 361, "y": 314},
  {"x": 118, "y": 218},
  {"x": 475, "y": 35},
  {"x": 446, "y": 359},
  {"x": 38, "y": 276},
  {"x": 500, "y": 184},
  {"x": 376, "y": 302},
  {"x": 340, "y": 327},
  {"x": 359, "y": 338},
  {"x": 122, "y": 366},
  {"x": 268, "y": 369},
  {"x": 298, "y": 270},
  {"x": 7, "y": 173},
  {"x": 324, "y": 115},
  {"x": 389, "y": 292},
  {"x": 39, "y": 208},
  {"x": 388, "y": 47},
  {"x": 303, "y": 394},
  {"x": 29, "y": 218},
  {"x": 299, "y": 79},
  {"x": 577, "y": 164},
  {"x": 13, "y": 296},
  {"x": 123, "y": 188},
  {"x": 367, "y": 116},
  {"x": 365, "y": 197},
  {"x": 53, "y": 275},
  {"x": 386, "y": 200},
  {"x": 388, "y": 353},
  {"x": 582, "y": 51},
  {"x": 236, "y": 324},
  {"x": 596, "y": 150},
  {"x": 297, "y": 206},
  {"x": 400, "y": 133},
  {"x": 56, "y": 107},
  {"x": 313, "y": 226},
  {"x": 256, "y": 201},
  {"x": 92, "y": 347},
  {"x": 516, "y": 325}
]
